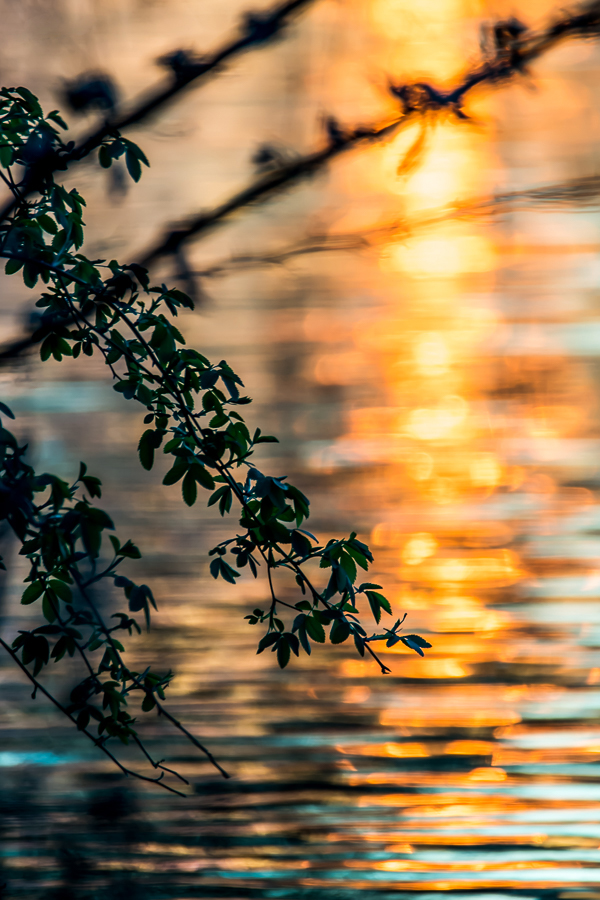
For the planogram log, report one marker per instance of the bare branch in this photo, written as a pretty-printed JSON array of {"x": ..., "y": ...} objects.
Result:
[
  {"x": 256, "y": 30},
  {"x": 582, "y": 192},
  {"x": 417, "y": 102}
]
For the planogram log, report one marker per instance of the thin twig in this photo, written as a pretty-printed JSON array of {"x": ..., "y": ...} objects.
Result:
[
  {"x": 97, "y": 742},
  {"x": 583, "y": 191},
  {"x": 131, "y": 675}
]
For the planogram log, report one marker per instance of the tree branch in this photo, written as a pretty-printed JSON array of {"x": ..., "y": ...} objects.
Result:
[
  {"x": 417, "y": 100},
  {"x": 97, "y": 742},
  {"x": 139, "y": 684},
  {"x": 583, "y": 191},
  {"x": 256, "y": 30}
]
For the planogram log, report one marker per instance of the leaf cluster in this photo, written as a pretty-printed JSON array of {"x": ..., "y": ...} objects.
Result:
[
  {"x": 193, "y": 415},
  {"x": 61, "y": 534}
]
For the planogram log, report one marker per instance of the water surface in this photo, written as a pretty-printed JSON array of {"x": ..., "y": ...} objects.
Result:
[{"x": 437, "y": 392}]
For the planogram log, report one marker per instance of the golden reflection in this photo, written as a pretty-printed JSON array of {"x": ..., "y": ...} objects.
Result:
[
  {"x": 433, "y": 424},
  {"x": 339, "y": 368},
  {"x": 419, "y": 466},
  {"x": 418, "y": 547},
  {"x": 420, "y": 838},
  {"x": 358, "y": 694},
  {"x": 488, "y": 774},
  {"x": 449, "y": 718},
  {"x": 422, "y": 34},
  {"x": 485, "y": 470},
  {"x": 470, "y": 748},
  {"x": 440, "y": 257},
  {"x": 497, "y": 567},
  {"x": 431, "y": 354},
  {"x": 481, "y": 405}
]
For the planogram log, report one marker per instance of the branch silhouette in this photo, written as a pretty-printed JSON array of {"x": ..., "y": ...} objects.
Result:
[
  {"x": 192, "y": 413},
  {"x": 514, "y": 49},
  {"x": 583, "y": 192},
  {"x": 256, "y": 30}
]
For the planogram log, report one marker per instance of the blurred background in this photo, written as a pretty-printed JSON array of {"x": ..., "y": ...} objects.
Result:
[{"x": 434, "y": 388}]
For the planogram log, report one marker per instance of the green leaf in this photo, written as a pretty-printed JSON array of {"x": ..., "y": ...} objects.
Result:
[
  {"x": 129, "y": 550},
  {"x": 32, "y": 592},
  {"x": 137, "y": 151},
  {"x": 202, "y": 476},
  {"x": 349, "y": 566},
  {"x": 145, "y": 395},
  {"x": 61, "y": 589},
  {"x": 340, "y": 631},
  {"x": 377, "y": 602},
  {"x": 91, "y": 535},
  {"x": 133, "y": 165},
  {"x": 49, "y": 607},
  {"x": 6, "y": 156},
  {"x": 30, "y": 274},
  {"x": 283, "y": 653},
  {"x": 32, "y": 101},
  {"x": 12, "y": 266},
  {"x": 5, "y": 409},
  {"x": 224, "y": 497},
  {"x": 267, "y": 641},
  {"x": 146, "y": 448},
  {"x": 127, "y": 387},
  {"x": 315, "y": 630},
  {"x": 104, "y": 157},
  {"x": 359, "y": 643},
  {"x": 46, "y": 348},
  {"x": 48, "y": 224},
  {"x": 416, "y": 639},
  {"x": 55, "y": 116},
  {"x": 179, "y": 469},
  {"x": 304, "y": 639},
  {"x": 219, "y": 567},
  {"x": 92, "y": 485},
  {"x": 408, "y": 641},
  {"x": 148, "y": 703},
  {"x": 189, "y": 489}
]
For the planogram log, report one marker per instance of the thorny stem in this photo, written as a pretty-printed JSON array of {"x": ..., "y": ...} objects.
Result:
[
  {"x": 524, "y": 51},
  {"x": 158, "y": 764}
]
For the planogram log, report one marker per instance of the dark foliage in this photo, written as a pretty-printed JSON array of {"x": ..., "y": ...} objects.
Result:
[{"x": 193, "y": 414}]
